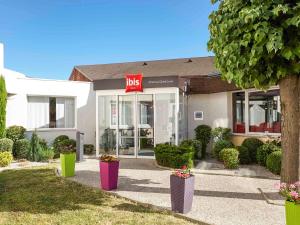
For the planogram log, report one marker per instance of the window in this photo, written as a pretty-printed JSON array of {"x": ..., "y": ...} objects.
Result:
[
  {"x": 50, "y": 112},
  {"x": 198, "y": 115},
  {"x": 238, "y": 110},
  {"x": 263, "y": 112}
]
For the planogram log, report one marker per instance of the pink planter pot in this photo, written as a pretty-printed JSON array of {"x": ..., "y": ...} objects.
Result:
[{"x": 109, "y": 172}]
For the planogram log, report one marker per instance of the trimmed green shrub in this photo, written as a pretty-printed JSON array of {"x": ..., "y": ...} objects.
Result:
[
  {"x": 43, "y": 143},
  {"x": 5, "y": 158},
  {"x": 196, "y": 144},
  {"x": 230, "y": 157},
  {"x": 264, "y": 150},
  {"x": 35, "y": 147},
  {"x": 56, "y": 143},
  {"x": 203, "y": 134},
  {"x": 174, "y": 156},
  {"x": 244, "y": 156},
  {"x": 45, "y": 154},
  {"x": 15, "y": 133},
  {"x": 274, "y": 162},
  {"x": 22, "y": 149},
  {"x": 219, "y": 146},
  {"x": 252, "y": 144},
  {"x": 3, "y": 101},
  {"x": 6, "y": 145},
  {"x": 221, "y": 133},
  {"x": 88, "y": 149},
  {"x": 67, "y": 146}
]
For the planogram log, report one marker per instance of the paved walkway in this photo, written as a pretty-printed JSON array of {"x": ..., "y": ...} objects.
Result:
[{"x": 219, "y": 199}]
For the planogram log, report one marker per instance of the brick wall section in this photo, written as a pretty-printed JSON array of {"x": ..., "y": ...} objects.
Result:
[{"x": 76, "y": 75}]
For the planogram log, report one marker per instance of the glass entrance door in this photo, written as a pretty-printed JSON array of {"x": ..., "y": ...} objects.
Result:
[
  {"x": 126, "y": 121},
  {"x": 145, "y": 125}
]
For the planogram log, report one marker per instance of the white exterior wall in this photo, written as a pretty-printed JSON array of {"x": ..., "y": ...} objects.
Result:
[
  {"x": 19, "y": 87},
  {"x": 216, "y": 110}
]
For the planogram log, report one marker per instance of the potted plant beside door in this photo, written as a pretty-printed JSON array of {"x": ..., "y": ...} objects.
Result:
[
  {"x": 292, "y": 204},
  {"x": 182, "y": 190},
  {"x": 67, "y": 149},
  {"x": 109, "y": 171}
]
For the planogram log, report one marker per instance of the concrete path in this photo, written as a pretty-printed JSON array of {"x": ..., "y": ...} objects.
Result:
[{"x": 219, "y": 199}]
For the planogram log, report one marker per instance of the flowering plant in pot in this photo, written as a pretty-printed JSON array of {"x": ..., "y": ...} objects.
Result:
[
  {"x": 291, "y": 193},
  {"x": 182, "y": 190},
  {"x": 109, "y": 171},
  {"x": 67, "y": 149}
]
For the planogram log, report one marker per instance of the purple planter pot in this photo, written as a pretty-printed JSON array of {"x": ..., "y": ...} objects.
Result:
[
  {"x": 109, "y": 175},
  {"x": 182, "y": 192}
]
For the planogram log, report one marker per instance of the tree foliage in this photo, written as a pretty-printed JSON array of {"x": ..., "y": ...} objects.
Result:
[
  {"x": 256, "y": 42},
  {"x": 3, "y": 99}
]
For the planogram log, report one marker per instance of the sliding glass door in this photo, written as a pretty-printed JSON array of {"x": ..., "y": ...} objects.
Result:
[
  {"x": 126, "y": 137},
  {"x": 145, "y": 110},
  {"x": 130, "y": 125}
]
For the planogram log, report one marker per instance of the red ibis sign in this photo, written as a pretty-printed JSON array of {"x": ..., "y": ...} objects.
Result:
[{"x": 134, "y": 82}]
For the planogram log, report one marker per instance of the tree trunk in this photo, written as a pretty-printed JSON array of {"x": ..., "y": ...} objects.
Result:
[{"x": 290, "y": 128}]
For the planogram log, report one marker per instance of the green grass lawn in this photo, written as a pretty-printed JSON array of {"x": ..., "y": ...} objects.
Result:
[{"x": 38, "y": 196}]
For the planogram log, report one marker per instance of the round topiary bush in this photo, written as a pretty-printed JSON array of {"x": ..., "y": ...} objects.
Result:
[
  {"x": 6, "y": 145},
  {"x": 67, "y": 146},
  {"x": 22, "y": 149},
  {"x": 230, "y": 157},
  {"x": 5, "y": 158},
  {"x": 203, "y": 134},
  {"x": 244, "y": 156},
  {"x": 221, "y": 133},
  {"x": 264, "y": 150},
  {"x": 219, "y": 146},
  {"x": 274, "y": 162},
  {"x": 252, "y": 144},
  {"x": 56, "y": 143},
  {"x": 88, "y": 149},
  {"x": 196, "y": 144},
  {"x": 15, "y": 133}
]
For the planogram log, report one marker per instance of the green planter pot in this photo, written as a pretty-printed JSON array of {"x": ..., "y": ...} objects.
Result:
[
  {"x": 292, "y": 213},
  {"x": 67, "y": 162}
]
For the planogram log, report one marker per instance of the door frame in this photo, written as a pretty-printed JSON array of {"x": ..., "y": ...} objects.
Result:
[{"x": 152, "y": 91}]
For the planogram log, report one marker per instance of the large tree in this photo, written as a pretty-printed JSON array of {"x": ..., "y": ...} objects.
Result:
[
  {"x": 3, "y": 97},
  {"x": 257, "y": 44}
]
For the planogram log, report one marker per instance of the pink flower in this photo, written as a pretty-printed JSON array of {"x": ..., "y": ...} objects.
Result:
[
  {"x": 294, "y": 195},
  {"x": 292, "y": 187},
  {"x": 283, "y": 186},
  {"x": 297, "y": 184}
]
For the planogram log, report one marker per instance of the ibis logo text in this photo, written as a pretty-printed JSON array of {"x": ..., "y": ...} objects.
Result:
[{"x": 134, "y": 82}]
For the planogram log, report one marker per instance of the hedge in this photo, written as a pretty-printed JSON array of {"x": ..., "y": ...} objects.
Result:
[
  {"x": 22, "y": 149},
  {"x": 244, "y": 156},
  {"x": 5, "y": 158},
  {"x": 6, "y": 145},
  {"x": 174, "y": 156},
  {"x": 15, "y": 133},
  {"x": 230, "y": 157},
  {"x": 203, "y": 134},
  {"x": 197, "y": 147},
  {"x": 274, "y": 162},
  {"x": 265, "y": 150},
  {"x": 252, "y": 144},
  {"x": 219, "y": 146}
]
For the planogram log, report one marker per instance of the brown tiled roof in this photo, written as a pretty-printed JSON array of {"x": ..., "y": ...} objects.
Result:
[{"x": 196, "y": 66}]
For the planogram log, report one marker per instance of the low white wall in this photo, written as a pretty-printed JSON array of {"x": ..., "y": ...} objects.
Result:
[
  {"x": 21, "y": 87},
  {"x": 216, "y": 110}
]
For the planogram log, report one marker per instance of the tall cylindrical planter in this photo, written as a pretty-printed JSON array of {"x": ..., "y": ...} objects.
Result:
[
  {"x": 109, "y": 172},
  {"x": 67, "y": 162},
  {"x": 182, "y": 192},
  {"x": 292, "y": 213}
]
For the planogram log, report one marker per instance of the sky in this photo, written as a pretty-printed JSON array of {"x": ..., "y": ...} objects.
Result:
[{"x": 47, "y": 38}]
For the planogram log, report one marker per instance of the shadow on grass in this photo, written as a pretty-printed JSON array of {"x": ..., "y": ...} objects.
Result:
[{"x": 40, "y": 191}]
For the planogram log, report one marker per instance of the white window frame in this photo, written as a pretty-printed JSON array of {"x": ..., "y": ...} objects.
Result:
[
  {"x": 54, "y": 129},
  {"x": 247, "y": 132}
]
